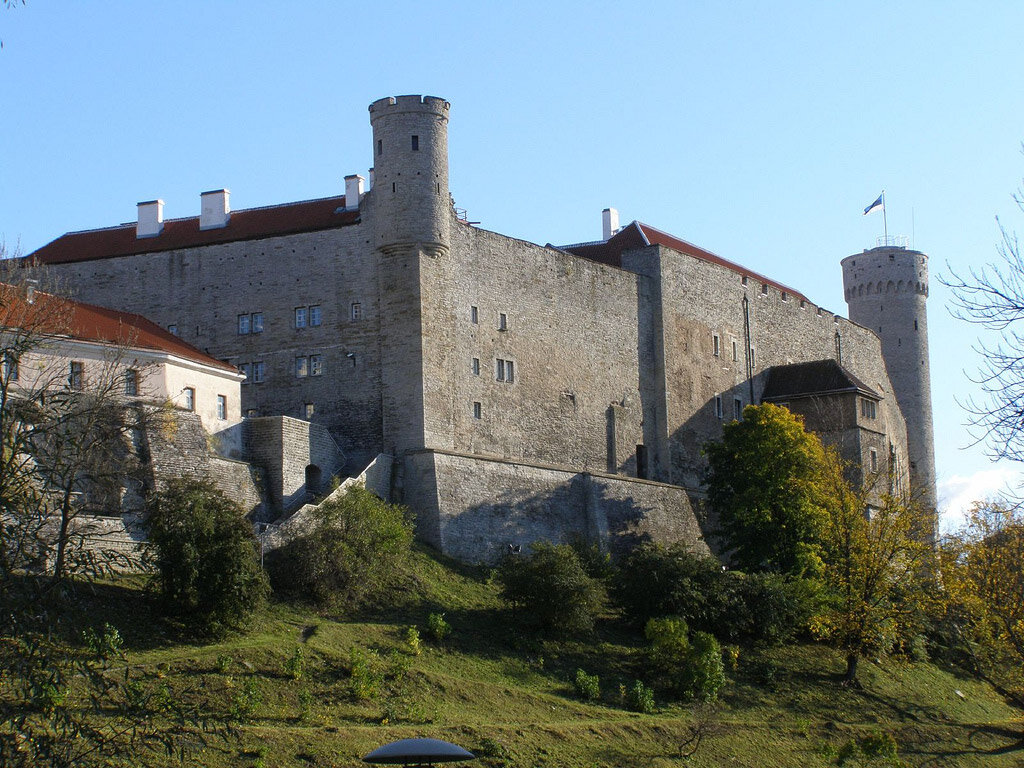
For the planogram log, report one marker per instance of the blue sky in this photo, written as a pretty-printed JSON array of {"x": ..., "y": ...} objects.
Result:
[{"x": 757, "y": 130}]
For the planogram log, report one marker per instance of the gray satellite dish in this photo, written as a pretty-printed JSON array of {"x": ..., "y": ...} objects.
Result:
[{"x": 418, "y": 752}]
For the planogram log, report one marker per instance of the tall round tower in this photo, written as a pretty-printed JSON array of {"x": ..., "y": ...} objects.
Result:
[
  {"x": 886, "y": 291},
  {"x": 410, "y": 155},
  {"x": 410, "y": 213}
]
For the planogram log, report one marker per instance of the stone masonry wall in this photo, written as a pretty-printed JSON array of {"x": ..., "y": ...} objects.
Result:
[
  {"x": 475, "y": 508},
  {"x": 202, "y": 291},
  {"x": 572, "y": 336}
]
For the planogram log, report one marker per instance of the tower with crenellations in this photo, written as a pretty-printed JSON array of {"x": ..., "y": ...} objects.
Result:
[{"x": 887, "y": 291}]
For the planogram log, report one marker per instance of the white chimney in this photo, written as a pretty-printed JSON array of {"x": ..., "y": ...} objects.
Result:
[
  {"x": 353, "y": 191},
  {"x": 370, "y": 176},
  {"x": 151, "y": 219},
  {"x": 214, "y": 209},
  {"x": 610, "y": 222}
]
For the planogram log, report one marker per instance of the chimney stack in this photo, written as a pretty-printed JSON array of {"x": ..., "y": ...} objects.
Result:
[
  {"x": 610, "y": 222},
  {"x": 151, "y": 219},
  {"x": 353, "y": 191},
  {"x": 214, "y": 209}
]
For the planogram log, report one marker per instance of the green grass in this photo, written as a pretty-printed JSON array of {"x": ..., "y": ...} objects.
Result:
[{"x": 508, "y": 696}]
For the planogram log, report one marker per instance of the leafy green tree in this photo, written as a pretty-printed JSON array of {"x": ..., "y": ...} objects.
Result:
[
  {"x": 984, "y": 581},
  {"x": 878, "y": 570},
  {"x": 551, "y": 589},
  {"x": 765, "y": 484},
  {"x": 356, "y": 548},
  {"x": 206, "y": 558}
]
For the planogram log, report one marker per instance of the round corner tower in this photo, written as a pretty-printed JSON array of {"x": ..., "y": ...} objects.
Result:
[
  {"x": 887, "y": 290},
  {"x": 411, "y": 215},
  {"x": 412, "y": 204}
]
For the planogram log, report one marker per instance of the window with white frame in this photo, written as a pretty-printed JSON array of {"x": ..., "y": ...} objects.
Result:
[
  {"x": 719, "y": 412},
  {"x": 131, "y": 382},
  {"x": 316, "y": 365},
  {"x": 189, "y": 398},
  {"x": 257, "y": 322},
  {"x": 502, "y": 322},
  {"x": 300, "y": 317},
  {"x": 717, "y": 345},
  {"x": 474, "y": 315},
  {"x": 222, "y": 407},
  {"x": 301, "y": 367},
  {"x": 356, "y": 311},
  {"x": 314, "y": 316},
  {"x": 309, "y": 410},
  {"x": 476, "y": 366},
  {"x": 868, "y": 408},
  {"x": 258, "y": 371},
  {"x": 243, "y": 324}
]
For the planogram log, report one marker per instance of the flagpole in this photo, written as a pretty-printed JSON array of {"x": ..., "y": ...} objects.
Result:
[{"x": 885, "y": 221}]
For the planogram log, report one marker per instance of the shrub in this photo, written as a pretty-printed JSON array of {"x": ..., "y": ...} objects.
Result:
[
  {"x": 205, "y": 556},
  {"x": 552, "y": 589},
  {"x": 295, "y": 665},
  {"x": 357, "y": 547},
  {"x": 667, "y": 654},
  {"x": 703, "y": 672},
  {"x": 662, "y": 581},
  {"x": 412, "y": 641},
  {"x": 245, "y": 703},
  {"x": 588, "y": 687},
  {"x": 365, "y": 675},
  {"x": 437, "y": 627},
  {"x": 640, "y": 698}
]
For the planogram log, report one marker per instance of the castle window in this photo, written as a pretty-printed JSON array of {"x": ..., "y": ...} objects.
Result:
[
  {"x": 257, "y": 322},
  {"x": 874, "y": 460},
  {"x": 915, "y": 325},
  {"x": 477, "y": 410},
  {"x": 301, "y": 367},
  {"x": 243, "y": 324},
  {"x": 356, "y": 311},
  {"x": 258, "y": 369},
  {"x": 190, "y": 398},
  {"x": 309, "y": 410},
  {"x": 867, "y": 408},
  {"x": 505, "y": 371},
  {"x": 474, "y": 315},
  {"x": 737, "y": 408},
  {"x": 246, "y": 370},
  {"x": 76, "y": 375},
  {"x": 172, "y": 329},
  {"x": 717, "y": 345},
  {"x": 743, "y": 280},
  {"x": 785, "y": 296},
  {"x": 252, "y": 413},
  {"x": 753, "y": 360},
  {"x": 502, "y": 322},
  {"x": 415, "y": 143},
  {"x": 735, "y": 352},
  {"x": 380, "y": 147},
  {"x": 300, "y": 317},
  {"x": 222, "y": 407},
  {"x": 314, "y": 316},
  {"x": 764, "y": 289},
  {"x": 803, "y": 304},
  {"x": 131, "y": 382},
  {"x": 10, "y": 367},
  {"x": 719, "y": 412},
  {"x": 476, "y": 366},
  {"x": 316, "y": 365}
]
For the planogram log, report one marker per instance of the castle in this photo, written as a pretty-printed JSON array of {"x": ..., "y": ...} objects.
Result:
[{"x": 523, "y": 391}]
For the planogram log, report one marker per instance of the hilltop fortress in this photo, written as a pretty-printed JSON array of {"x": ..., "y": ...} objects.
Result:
[{"x": 523, "y": 391}]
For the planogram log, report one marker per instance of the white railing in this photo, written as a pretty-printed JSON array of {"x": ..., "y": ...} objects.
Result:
[{"x": 892, "y": 241}]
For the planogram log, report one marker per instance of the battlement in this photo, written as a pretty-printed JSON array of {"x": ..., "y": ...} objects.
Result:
[{"x": 393, "y": 105}]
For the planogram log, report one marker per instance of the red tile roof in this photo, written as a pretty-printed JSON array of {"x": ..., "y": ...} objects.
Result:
[
  {"x": 57, "y": 316},
  {"x": 248, "y": 224},
  {"x": 638, "y": 235}
]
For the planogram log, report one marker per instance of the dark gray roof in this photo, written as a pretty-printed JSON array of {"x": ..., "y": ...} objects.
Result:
[{"x": 819, "y": 377}]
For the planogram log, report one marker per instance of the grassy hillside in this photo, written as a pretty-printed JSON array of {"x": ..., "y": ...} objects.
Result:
[{"x": 311, "y": 690}]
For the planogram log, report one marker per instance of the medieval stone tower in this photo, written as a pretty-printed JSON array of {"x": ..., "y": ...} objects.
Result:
[
  {"x": 887, "y": 290},
  {"x": 412, "y": 218}
]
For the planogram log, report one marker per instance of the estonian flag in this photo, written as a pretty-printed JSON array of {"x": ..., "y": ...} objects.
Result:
[{"x": 879, "y": 203}]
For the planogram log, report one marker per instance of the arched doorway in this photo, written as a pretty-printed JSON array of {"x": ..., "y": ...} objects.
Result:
[{"x": 314, "y": 479}]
